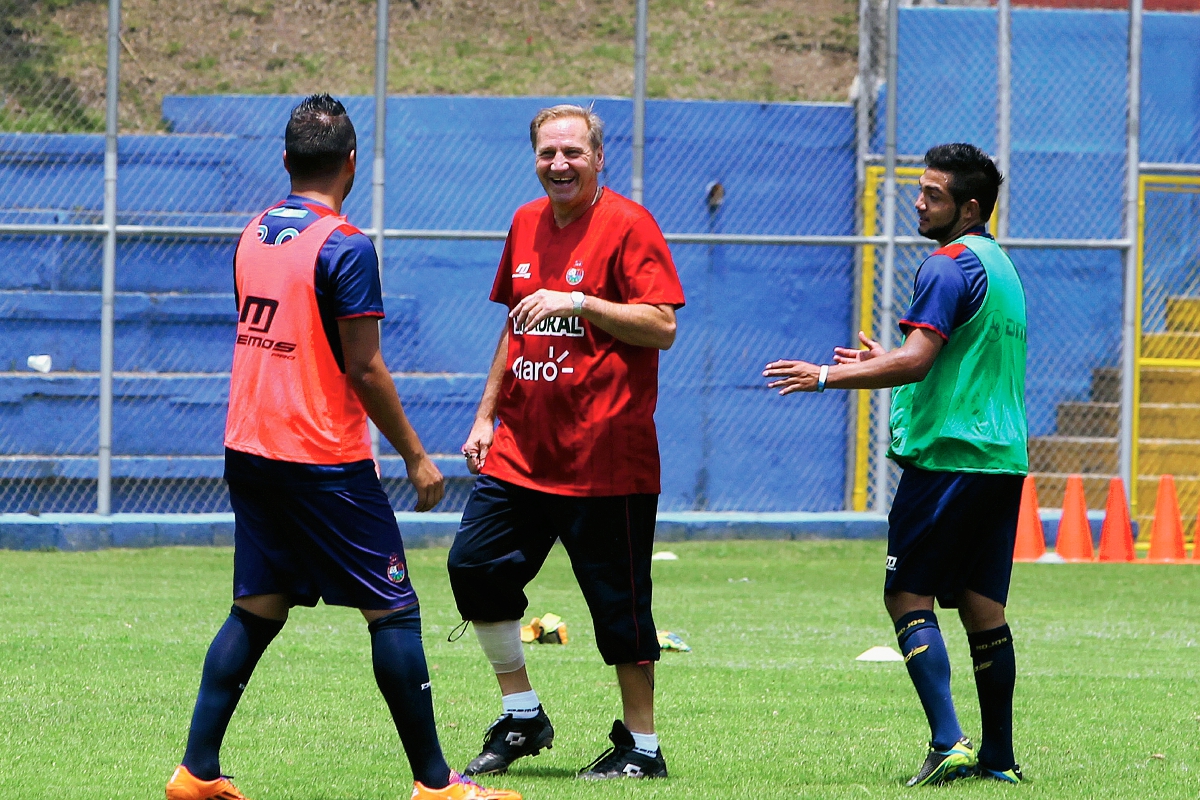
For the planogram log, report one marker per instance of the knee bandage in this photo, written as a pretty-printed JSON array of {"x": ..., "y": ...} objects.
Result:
[{"x": 501, "y": 643}]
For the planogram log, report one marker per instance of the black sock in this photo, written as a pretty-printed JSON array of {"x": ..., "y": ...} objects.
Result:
[
  {"x": 995, "y": 676},
  {"x": 928, "y": 664},
  {"x": 227, "y": 668},
  {"x": 403, "y": 678}
]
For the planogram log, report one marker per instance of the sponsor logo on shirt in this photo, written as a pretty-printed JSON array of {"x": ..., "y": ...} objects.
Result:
[
  {"x": 999, "y": 325},
  {"x": 522, "y": 271},
  {"x": 257, "y": 315},
  {"x": 259, "y": 307},
  {"x": 549, "y": 370},
  {"x": 553, "y": 326}
]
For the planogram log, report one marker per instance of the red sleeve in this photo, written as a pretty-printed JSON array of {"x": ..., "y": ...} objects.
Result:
[
  {"x": 502, "y": 285},
  {"x": 647, "y": 273}
]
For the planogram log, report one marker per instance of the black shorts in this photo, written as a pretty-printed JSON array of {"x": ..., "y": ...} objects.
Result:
[
  {"x": 338, "y": 543},
  {"x": 949, "y": 532},
  {"x": 507, "y": 532}
]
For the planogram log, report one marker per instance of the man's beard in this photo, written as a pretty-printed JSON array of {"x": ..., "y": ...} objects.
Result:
[{"x": 942, "y": 231}]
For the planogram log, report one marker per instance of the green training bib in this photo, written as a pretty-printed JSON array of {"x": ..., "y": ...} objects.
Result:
[{"x": 968, "y": 414}]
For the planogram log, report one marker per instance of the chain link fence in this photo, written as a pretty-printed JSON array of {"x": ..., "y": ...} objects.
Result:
[{"x": 766, "y": 206}]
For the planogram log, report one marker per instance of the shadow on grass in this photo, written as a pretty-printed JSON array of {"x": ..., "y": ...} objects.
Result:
[{"x": 532, "y": 771}]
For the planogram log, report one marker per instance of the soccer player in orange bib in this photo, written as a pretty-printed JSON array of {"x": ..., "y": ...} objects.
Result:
[
  {"x": 311, "y": 518},
  {"x": 592, "y": 292}
]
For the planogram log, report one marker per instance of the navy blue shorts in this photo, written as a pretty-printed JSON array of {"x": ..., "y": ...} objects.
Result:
[
  {"x": 507, "y": 532},
  {"x": 951, "y": 532},
  {"x": 338, "y": 543}
]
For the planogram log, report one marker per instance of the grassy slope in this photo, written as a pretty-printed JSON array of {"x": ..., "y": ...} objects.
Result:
[
  {"x": 724, "y": 49},
  {"x": 102, "y": 653}
]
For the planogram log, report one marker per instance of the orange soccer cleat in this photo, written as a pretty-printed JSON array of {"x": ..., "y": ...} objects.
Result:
[
  {"x": 461, "y": 788},
  {"x": 186, "y": 786}
]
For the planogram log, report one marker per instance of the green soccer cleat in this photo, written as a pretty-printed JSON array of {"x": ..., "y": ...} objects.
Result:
[
  {"x": 943, "y": 766},
  {"x": 1003, "y": 776}
]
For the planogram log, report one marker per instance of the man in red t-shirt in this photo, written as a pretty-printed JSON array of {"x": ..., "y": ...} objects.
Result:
[{"x": 592, "y": 292}]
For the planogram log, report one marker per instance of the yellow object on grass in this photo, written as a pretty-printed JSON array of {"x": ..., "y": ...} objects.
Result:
[
  {"x": 546, "y": 629},
  {"x": 670, "y": 641}
]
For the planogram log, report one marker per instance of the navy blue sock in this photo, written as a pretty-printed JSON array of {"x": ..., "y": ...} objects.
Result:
[
  {"x": 403, "y": 678},
  {"x": 227, "y": 668},
  {"x": 995, "y": 675},
  {"x": 928, "y": 665}
]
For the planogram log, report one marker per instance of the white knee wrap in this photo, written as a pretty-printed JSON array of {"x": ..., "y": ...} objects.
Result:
[{"x": 501, "y": 643}]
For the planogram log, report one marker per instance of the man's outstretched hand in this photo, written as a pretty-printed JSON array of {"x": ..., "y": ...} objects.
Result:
[
  {"x": 801, "y": 376},
  {"x": 792, "y": 376},
  {"x": 851, "y": 355}
]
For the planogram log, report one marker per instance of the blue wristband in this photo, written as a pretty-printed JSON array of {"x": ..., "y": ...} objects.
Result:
[{"x": 822, "y": 377}]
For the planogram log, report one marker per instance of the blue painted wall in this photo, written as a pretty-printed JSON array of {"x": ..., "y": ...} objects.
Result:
[{"x": 461, "y": 163}]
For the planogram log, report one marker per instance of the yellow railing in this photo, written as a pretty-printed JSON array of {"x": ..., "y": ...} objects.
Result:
[{"x": 1172, "y": 184}]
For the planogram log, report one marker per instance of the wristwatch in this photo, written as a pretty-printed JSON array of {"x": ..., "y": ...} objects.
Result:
[{"x": 577, "y": 303}]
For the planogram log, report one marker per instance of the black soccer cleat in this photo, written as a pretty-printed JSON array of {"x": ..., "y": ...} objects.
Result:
[
  {"x": 508, "y": 739},
  {"x": 622, "y": 761},
  {"x": 943, "y": 766}
]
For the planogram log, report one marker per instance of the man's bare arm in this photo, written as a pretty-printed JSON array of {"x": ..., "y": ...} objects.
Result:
[
  {"x": 862, "y": 369},
  {"x": 371, "y": 381}
]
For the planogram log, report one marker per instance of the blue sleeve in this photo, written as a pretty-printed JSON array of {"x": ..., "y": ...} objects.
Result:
[
  {"x": 940, "y": 292},
  {"x": 348, "y": 276}
]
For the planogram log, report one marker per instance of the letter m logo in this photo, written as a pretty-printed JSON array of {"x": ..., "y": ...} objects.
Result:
[{"x": 260, "y": 312}]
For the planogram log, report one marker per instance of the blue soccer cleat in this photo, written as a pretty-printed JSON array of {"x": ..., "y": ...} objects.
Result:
[{"x": 1012, "y": 775}]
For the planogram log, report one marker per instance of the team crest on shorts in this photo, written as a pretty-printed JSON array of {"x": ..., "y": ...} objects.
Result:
[
  {"x": 396, "y": 572},
  {"x": 575, "y": 274}
]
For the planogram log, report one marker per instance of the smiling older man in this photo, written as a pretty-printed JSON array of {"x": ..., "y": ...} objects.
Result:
[{"x": 592, "y": 292}]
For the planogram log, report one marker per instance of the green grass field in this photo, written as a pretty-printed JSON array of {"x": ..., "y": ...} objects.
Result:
[{"x": 100, "y": 656}]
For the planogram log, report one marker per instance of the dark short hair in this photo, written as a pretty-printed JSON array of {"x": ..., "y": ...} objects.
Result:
[
  {"x": 973, "y": 174},
  {"x": 319, "y": 137}
]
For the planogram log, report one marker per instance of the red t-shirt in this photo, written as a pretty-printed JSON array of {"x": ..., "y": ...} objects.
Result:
[{"x": 576, "y": 405}]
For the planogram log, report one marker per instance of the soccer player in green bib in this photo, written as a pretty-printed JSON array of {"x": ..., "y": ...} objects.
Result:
[{"x": 959, "y": 432}]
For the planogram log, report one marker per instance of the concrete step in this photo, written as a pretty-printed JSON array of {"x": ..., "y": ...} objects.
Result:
[
  {"x": 1052, "y": 486},
  {"x": 1089, "y": 419},
  {"x": 1158, "y": 385},
  {"x": 1158, "y": 420},
  {"x": 1183, "y": 314},
  {"x": 1098, "y": 455},
  {"x": 1171, "y": 345}
]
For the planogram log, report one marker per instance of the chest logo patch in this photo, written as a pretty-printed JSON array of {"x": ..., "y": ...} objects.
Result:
[
  {"x": 575, "y": 274},
  {"x": 522, "y": 271}
]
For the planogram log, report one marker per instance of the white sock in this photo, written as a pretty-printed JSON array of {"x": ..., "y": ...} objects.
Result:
[
  {"x": 645, "y": 743},
  {"x": 522, "y": 705}
]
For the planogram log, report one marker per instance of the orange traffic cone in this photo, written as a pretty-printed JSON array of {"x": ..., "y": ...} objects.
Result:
[
  {"x": 1031, "y": 539},
  {"x": 1074, "y": 534},
  {"x": 1166, "y": 532},
  {"x": 1116, "y": 537}
]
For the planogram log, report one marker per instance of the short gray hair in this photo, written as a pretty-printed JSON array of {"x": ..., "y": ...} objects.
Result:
[{"x": 595, "y": 125}]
